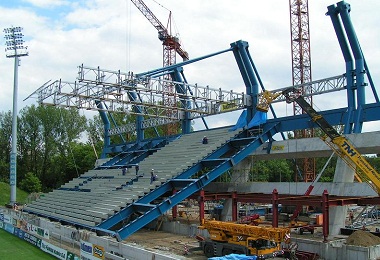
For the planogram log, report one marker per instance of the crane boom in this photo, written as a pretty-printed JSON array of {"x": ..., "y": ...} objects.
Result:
[
  {"x": 339, "y": 143},
  {"x": 343, "y": 147},
  {"x": 228, "y": 237},
  {"x": 163, "y": 34},
  {"x": 255, "y": 232}
]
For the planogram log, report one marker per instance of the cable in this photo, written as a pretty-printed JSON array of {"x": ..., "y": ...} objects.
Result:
[
  {"x": 161, "y": 5},
  {"x": 128, "y": 34}
]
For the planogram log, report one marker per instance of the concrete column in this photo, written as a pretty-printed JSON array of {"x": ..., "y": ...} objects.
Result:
[
  {"x": 227, "y": 211},
  {"x": 337, "y": 216},
  {"x": 240, "y": 174}
]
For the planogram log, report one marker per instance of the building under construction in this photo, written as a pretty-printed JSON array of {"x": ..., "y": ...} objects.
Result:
[{"x": 116, "y": 199}]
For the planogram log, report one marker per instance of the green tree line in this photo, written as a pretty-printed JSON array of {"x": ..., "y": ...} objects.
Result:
[
  {"x": 53, "y": 146},
  {"x": 56, "y": 145}
]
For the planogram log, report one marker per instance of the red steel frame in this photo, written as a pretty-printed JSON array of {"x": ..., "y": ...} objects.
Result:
[{"x": 324, "y": 201}]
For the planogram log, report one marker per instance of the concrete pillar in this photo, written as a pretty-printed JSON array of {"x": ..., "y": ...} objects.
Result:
[
  {"x": 227, "y": 211},
  {"x": 240, "y": 174},
  {"x": 337, "y": 216}
]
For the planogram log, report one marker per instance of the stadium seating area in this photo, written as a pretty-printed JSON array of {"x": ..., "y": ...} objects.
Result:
[{"x": 100, "y": 193}]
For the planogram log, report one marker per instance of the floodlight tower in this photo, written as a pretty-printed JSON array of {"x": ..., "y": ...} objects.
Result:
[{"x": 14, "y": 49}]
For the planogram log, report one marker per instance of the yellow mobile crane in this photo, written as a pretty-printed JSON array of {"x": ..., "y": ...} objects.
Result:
[
  {"x": 228, "y": 237},
  {"x": 339, "y": 143}
]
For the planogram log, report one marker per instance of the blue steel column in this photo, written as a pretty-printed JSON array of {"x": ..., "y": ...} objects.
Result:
[
  {"x": 344, "y": 10},
  {"x": 191, "y": 93},
  {"x": 351, "y": 104},
  {"x": 240, "y": 50},
  {"x": 181, "y": 89},
  {"x": 107, "y": 125},
  {"x": 139, "y": 119}
]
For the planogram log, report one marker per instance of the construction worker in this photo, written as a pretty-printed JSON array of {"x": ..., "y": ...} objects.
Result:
[
  {"x": 153, "y": 177},
  {"x": 204, "y": 140},
  {"x": 137, "y": 168}
]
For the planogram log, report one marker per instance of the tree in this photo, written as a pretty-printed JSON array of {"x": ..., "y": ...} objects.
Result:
[
  {"x": 5, "y": 144},
  {"x": 31, "y": 183},
  {"x": 45, "y": 133},
  {"x": 272, "y": 170}
]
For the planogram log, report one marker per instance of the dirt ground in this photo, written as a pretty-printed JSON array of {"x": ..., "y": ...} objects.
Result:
[{"x": 166, "y": 243}]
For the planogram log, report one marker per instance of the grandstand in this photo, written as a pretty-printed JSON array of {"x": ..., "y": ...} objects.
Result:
[{"x": 101, "y": 193}]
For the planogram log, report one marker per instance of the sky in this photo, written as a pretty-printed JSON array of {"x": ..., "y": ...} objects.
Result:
[{"x": 113, "y": 34}]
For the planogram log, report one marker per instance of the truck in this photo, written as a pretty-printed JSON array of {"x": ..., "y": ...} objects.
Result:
[{"x": 229, "y": 237}]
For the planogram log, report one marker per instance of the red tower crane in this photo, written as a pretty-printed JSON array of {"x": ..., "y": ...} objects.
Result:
[
  {"x": 301, "y": 69},
  {"x": 171, "y": 46}
]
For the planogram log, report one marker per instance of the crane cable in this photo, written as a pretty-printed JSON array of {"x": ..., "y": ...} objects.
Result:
[{"x": 128, "y": 27}]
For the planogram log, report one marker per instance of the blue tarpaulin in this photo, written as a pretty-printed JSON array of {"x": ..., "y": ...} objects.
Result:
[
  {"x": 258, "y": 119},
  {"x": 242, "y": 121},
  {"x": 234, "y": 257}
]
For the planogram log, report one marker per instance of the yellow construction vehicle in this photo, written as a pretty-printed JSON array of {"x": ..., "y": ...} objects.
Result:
[
  {"x": 339, "y": 143},
  {"x": 228, "y": 237}
]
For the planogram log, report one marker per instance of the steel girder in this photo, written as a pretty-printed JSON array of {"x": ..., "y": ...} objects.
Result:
[
  {"x": 184, "y": 185},
  {"x": 187, "y": 186}
]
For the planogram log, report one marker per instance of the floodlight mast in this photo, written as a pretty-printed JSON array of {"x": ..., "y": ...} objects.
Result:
[{"x": 14, "y": 49}]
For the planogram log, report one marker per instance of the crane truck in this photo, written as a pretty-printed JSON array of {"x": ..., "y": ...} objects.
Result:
[
  {"x": 339, "y": 143},
  {"x": 228, "y": 237}
]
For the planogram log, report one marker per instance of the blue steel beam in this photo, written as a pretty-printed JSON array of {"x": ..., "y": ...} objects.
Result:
[
  {"x": 344, "y": 9},
  {"x": 193, "y": 187},
  {"x": 168, "y": 69},
  {"x": 371, "y": 81},
  {"x": 246, "y": 67},
  {"x": 170, "y": 185},
  {"x": 181, "y": 89},
  {"x": 107, "y": 126},
  {"x": 263, "y": 89},
  {"x": 351, "y": 103},
  {"x": 191, "y": 93},
  {"x": 371, "y": 112}
]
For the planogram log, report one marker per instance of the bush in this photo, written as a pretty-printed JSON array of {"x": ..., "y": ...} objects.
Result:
[{"x": 31, "y": 183}]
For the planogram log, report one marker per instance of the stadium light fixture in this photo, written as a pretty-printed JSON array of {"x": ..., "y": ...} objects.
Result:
[{"x": 14, "y": 49}]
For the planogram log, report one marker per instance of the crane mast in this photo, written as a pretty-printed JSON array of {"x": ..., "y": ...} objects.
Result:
[
  {"x": 301, "y": 70},
  {"x": 171, "y": 46}
]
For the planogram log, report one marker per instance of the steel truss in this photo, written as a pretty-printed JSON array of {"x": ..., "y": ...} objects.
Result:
[{"x": 113, "y": 88}]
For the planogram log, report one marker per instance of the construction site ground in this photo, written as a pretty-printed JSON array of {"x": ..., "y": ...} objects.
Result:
[
  {"x": 182, "y": 247},
  {"x": 179, "y": 245},
  {"x": 166, "y": 243}
]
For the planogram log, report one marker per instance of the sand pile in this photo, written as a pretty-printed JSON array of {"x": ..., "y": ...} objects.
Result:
[{"x": 362, "y": 238}]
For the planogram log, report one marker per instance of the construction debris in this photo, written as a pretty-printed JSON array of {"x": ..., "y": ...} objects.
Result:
[{"x": 362, "y": 238}]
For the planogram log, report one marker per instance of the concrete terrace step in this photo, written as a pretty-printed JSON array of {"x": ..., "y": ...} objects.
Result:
[
  {"x": 45, "y": 212},
  {"x": 108, "y": 190}
]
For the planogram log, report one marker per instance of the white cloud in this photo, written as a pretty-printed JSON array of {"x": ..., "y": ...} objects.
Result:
[
  {"x": 47, "y": 3},
  {"x": 115, "y": 35}
]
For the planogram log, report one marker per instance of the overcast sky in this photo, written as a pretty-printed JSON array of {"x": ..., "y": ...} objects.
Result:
[{"x": 113, "y": 34}]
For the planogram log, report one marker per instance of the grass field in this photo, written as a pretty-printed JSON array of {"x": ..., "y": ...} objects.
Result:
[
  {"x": 5, "y": 194},
  {"x": 13, "y": 248}
]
